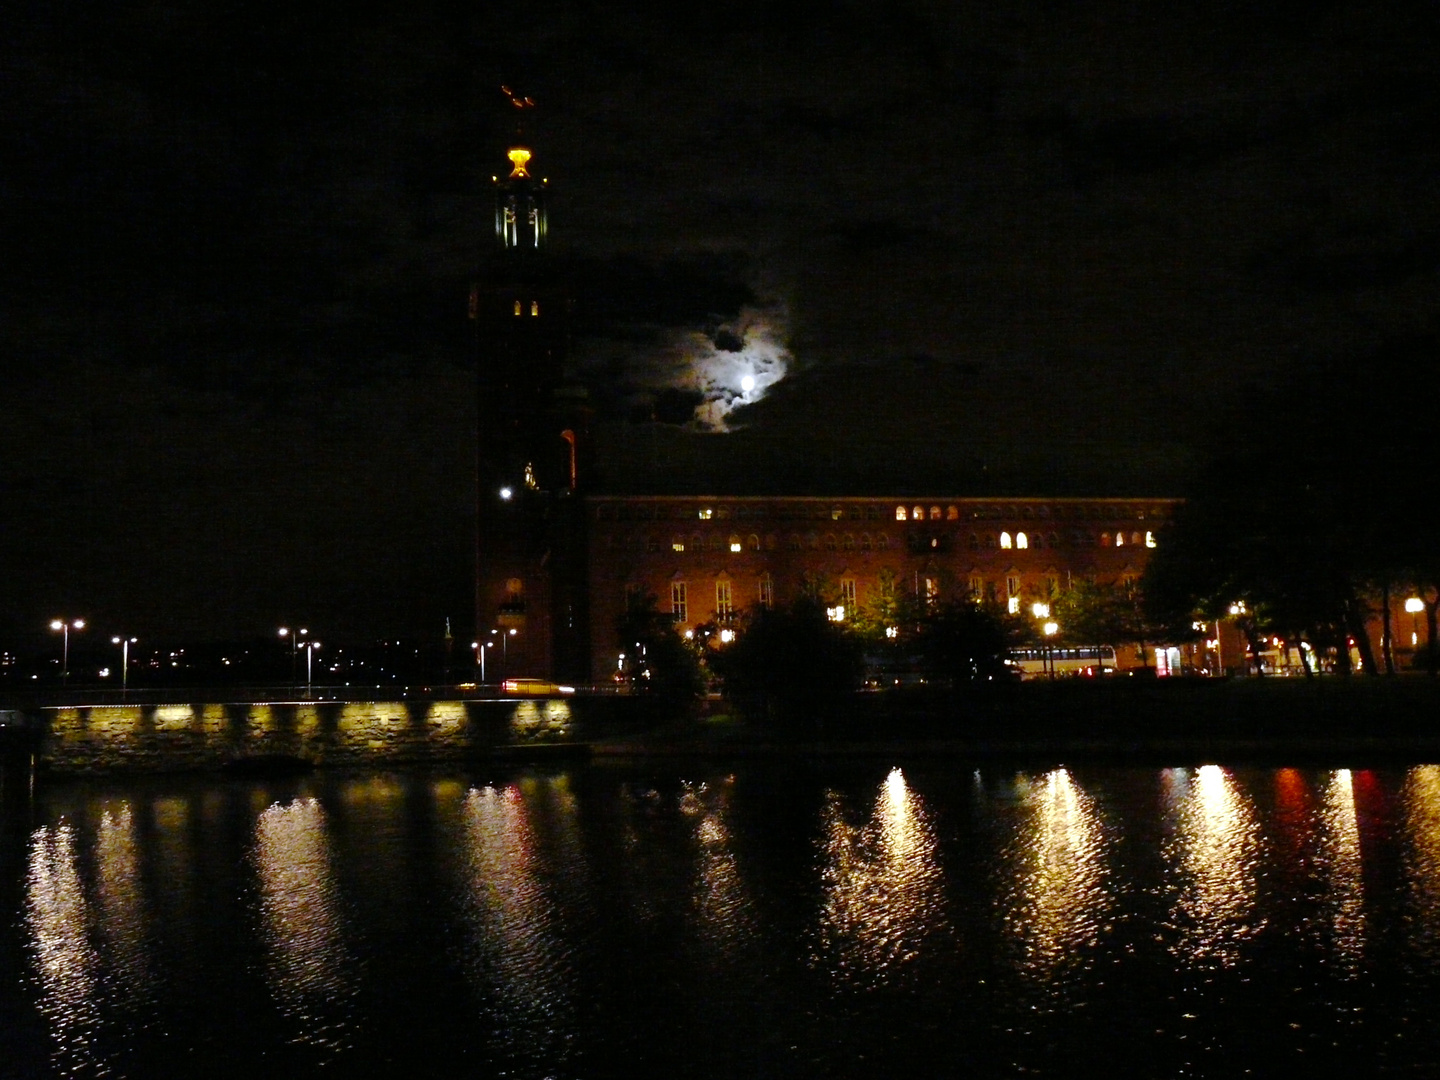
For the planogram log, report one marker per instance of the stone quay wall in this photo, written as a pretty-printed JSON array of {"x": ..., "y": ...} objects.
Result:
[{"x": 134, "y": 737}]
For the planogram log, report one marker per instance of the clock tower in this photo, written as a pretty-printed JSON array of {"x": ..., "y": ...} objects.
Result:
[{"x": 530, "y": 597}]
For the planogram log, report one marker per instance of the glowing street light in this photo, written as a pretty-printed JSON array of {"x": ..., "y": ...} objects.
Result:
[
  {"x": 65, "y": 626},
  {"x": 1414, "y": 606},
  {"x": 295, "y": 644},
  {"x": 1050, "y": 628},
  {"x": 124, "y": 643},
  {"x": 309, "y": 645}
]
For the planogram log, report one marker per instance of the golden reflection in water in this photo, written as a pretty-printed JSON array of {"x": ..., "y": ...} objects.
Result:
[
  {"x": 1060, "y": 890},
  {"x": 56, "y": 918},
  {"x": 1340, "y": 848},
  {"x": 122, "y": 905},
  {"x": 307, "y": 964},
  {"x": 1213, "y": 856},
  {"x": 721, "y": 903},
  {"x": 1422, "y": 863},
  {"x": 883, "y": 891},
  {"x": 520, "y": 962}
]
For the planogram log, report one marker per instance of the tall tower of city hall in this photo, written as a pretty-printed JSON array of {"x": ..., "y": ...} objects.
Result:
[{"x": 530, "y": 597}]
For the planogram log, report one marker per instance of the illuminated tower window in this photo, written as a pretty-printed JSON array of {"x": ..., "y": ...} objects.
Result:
[
  {"x": 735, "y": 545},
  {"x": 1022, "y": 541},
  {"x": 678, "y": 544},
  {"x": 1149, "y": 539},
  {"x": 900, "y": 514},
  {"x": 1005, "y": 540},
  {"x": 918, "y": 514},
  {"x": 934, "y": 513},
  {"x": 517, "y": 307},
  {"x": 952, "y": 513},
  {"x": 534, "y": 307}
]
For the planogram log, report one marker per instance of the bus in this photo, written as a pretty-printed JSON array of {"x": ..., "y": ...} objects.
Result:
[{"x": 1038, "y": 663}]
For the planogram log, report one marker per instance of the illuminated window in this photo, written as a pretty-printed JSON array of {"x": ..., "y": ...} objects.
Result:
[
  {"x": 706, "y": 514},
  {"x": 847, "y": 593},
  {"x": 679, "y": 602},
  {"x": 952, "y": 513},
  {"x": 977, "y": 587},
  {"x": 677, "y": 544},
  {"x": 836, "y": 513},
  {"x": 735, "y": 544},
  {"x": 1022, "y": 541},
  {"x": 932, "y": 590},
  {"x": 1012, "y": 586},
  {"x": 1104, "y": 539},
  {"x": 722, "y": 599},
  {"x": 900, "y": 513},
  {"x": 1012, "y": 605},
  {"x": 934, "y": 513},
  {"x": 1119, "y": 539},
  {"x": 517, "y": 307},
  {"x": 767, "y": 591},
  {"x": 1005, "y": 540},
  {"x": 1149, "y": 539},
  {"x": 534, "y": 307},
  {"x": 917, "y": 514}
]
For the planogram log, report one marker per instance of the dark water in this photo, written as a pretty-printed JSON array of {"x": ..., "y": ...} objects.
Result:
[{"x": 923, "y": 919}]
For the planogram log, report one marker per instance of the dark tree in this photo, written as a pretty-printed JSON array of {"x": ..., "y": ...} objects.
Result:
[{"x": 658, "y": 661}]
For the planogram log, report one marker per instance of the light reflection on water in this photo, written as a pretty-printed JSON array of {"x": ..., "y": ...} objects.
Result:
[
  {"x": 308, "y": 966},
  {"x": 58, "y": 918},
  {"x": 577, "y": 915},
  {"x": 1057, "y": 888},
  {"x": 1422, "y": 827},
  {"x": 882, "y": 889},
  {"x": 518, "y": 960},
  {"x": 1340, "y": 854}
]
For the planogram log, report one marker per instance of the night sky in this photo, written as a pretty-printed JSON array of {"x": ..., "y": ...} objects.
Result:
[{"x": 1031, "y": 247}]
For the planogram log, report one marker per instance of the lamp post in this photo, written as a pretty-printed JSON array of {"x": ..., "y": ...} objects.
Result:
[
  {"x": 480, "y": 647},
  {"x": 295, "y": 646},
  {"x": 1050, "y": 630},
  {"x": 124, "y": 643},
  {"x": 309, "y": 646},
  {"x": 1414, "y": 606},
  {"x": 64, "y": 626}
]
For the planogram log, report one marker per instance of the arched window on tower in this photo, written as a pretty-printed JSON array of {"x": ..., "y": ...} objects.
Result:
[{"x": 534, "y": 307}]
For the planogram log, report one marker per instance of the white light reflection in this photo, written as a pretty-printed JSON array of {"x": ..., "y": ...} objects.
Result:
[
  {"x": 124, "y": 918},
  {"x": 308, "y": 966},
  {"x": 1422, "y": 863},
  {"x": 883, "y": 895},
  {"x": 520, "y": 962},
  {"x": 721, "y": 903},
  {"x": 1340, "y": 850},
  {"x": 1212, "y": 858},
  {"x": 56, "y": 917},
  {"x": 1059, "y": 891}
]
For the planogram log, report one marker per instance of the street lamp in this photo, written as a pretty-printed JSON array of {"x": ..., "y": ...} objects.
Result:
[
  {"x": 309, "y": 646},
  {"x": 480, "y": 648},
  {"x": 295, "y": 645},
  {"x": 65, "y": 626},
  {"x": 1414, "y": 606},
  {"x": 124, "y": 643},
  {"x": 1050, "y": 630}
]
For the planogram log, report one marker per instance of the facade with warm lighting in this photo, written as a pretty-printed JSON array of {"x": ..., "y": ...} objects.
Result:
[{"x": 709, "y": 558}]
